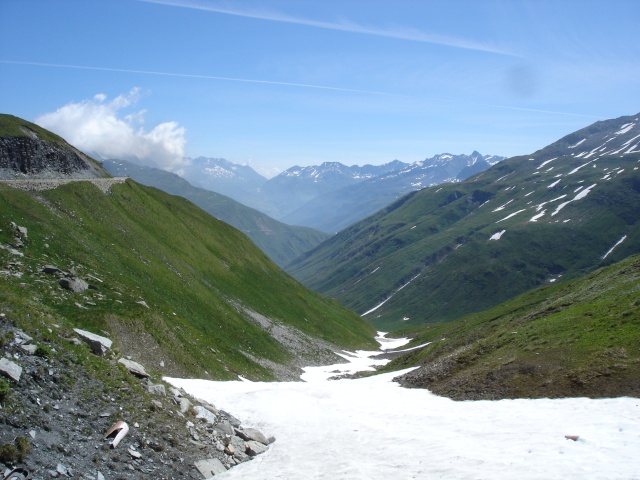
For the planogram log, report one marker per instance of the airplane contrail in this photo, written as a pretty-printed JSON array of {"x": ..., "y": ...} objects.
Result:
[
  {"x": 206, "y": 77},
  {"x": 397, "y": 32}
]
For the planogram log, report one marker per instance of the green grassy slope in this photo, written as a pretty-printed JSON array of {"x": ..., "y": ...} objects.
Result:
[
  {"x": 430, "y": 257},
  {"x": 197, "y": 275},
  {"x": 281, "y": 242},
  {"x": 578, "y": 338}
]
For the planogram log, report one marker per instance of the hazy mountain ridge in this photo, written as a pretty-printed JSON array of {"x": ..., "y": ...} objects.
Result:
[
  {"x": 446, "y": 251},
  {"x": 222, "y": 176},
  {"x": 340, "y": 208},
  {"x": 331, "y": 196}
]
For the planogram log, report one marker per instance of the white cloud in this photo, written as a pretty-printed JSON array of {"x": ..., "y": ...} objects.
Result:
[{"x": 99, "y": 128}]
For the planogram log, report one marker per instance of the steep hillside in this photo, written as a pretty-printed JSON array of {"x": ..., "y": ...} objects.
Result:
[
  {"x": 446, "y": 251},
  {"x": 169, "y": 283},
  {"x": 27, "y": 150},
  {"x": 281, "y": 242},
  {"x": 574, "y": 339}
]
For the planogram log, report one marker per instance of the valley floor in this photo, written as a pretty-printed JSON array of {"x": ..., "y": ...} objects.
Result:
[{"x": 371, "y": 428}]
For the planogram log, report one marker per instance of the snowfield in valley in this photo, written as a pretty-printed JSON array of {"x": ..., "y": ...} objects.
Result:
[{"x": 371, "y": 428}]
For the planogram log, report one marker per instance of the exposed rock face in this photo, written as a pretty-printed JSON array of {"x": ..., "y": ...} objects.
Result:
[{"x": 33, "y": 157}]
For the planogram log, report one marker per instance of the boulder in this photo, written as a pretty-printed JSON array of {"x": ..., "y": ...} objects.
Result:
[
  {"x": 156, "y": 389},
  {"x": 51, "y": 269},
  {"x": 225, "y": 427},
  {"x": 134, "y": 367},
  {"x": 30, "y": 349},
  {"x": 74, "y": 284},
  {"x": 205, "y": 414},
  {"x": 248, "y": 434},
  {"x": 255, "y": 448},
  {"x": 210, "y": 467},
  {"x": 10, "y": 369},
  {"x": 185, "y": 405},
  {"x": 99, "y": 345}
]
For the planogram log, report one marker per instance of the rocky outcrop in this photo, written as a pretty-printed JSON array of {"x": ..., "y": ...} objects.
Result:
[
  {"x": 61, "y": 417},
  {"x": 30, "y": 156}
]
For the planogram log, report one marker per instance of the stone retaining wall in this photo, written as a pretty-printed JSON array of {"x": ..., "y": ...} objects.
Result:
[{"x": 103, "y": 184}]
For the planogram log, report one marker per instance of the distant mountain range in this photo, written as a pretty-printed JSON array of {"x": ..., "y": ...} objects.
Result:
[
  {"x": 281, "y": 242},
  {"x": 442, "y": 252},
  {"x": 330, "y": 196}
]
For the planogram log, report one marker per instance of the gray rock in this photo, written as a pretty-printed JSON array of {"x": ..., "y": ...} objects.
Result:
[
  {"x": 205, "y": 414},
  {"x": 236, "y": 443},
  {"x": 210, "y": 467},
  {"x": 156, "y": 389},
  {"x": 256, "y": 448},
  {"x": 99, "y": 345},
  {"x": 30, "y": 349},
  {"x": 225, "y": 427},
  {"x": 251, "y": 434},
  {"x": 22, "y": 337},
  {"x": 232, "y": 420},
  {"x": 51, "y": 269},
  {"x": 185, "y": 404},
  {"x": 134, "y": 368},
  {"x": 10, "y": 369},
  {"x": 75, "y": 284}
]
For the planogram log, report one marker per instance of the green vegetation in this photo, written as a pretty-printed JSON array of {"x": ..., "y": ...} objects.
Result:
[
  {"x": 430, "y": 257},
  {"x": 578, "y": 338},
  {"x": 11, "y": 126},
  {"x": 198, "y": 278},
  {"x": 281, "y": 242},
  {"x": 5, "y": 390}
]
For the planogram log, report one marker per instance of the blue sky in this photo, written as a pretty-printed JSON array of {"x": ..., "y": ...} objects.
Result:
[{"x": 277, "y": 83}]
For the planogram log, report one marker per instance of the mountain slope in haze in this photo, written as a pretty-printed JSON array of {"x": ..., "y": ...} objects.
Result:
[
  {"x": 446, "y": 251},
  {"x": 330, "y": 196},
  {"x": 281, "y": 242},
  {"x": 284, "y": 193},
  {"x": 240, "y": 182},
  {"x": 337, "y": 209},
  {"x": 573, "y": 339},
  {"x": 27, "y": 150}
]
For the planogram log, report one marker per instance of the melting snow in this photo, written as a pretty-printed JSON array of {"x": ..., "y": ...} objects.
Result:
[
  {"x": 578, "y": 168},
  {"x": 579, "y": 196},
  {"x": 554, "y": 184},
  {"x": 612, "y": 248},
  {"x": 512, "y": 215},
  {"x": 497, "y": 236},
  {"x": 625, "y": 128},
  {"x": 502, "y": 206},
  {"x": 389, "y": 298},
  {"x": 371, "y": 428},
  {"x": 579, "y": 143},
  {"x": 545, "y": 162},
  {"x": 536, "y": 217}
]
